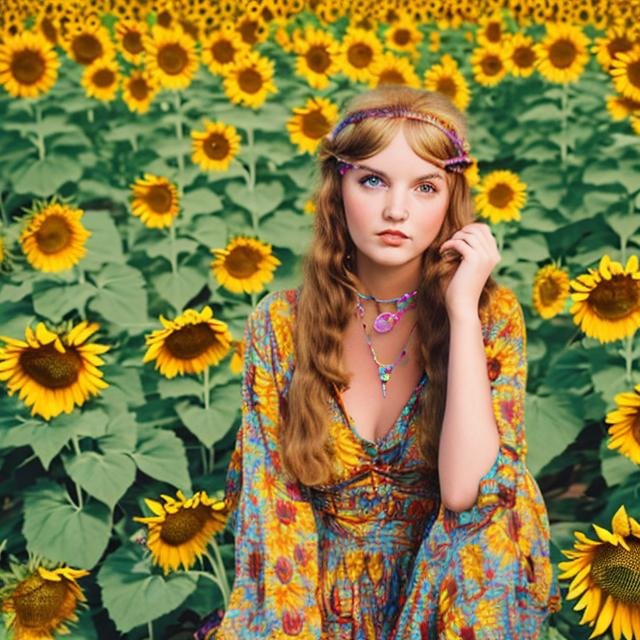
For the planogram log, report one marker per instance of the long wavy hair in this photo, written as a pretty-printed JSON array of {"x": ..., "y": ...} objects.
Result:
[{"x": 328, "y": 293}]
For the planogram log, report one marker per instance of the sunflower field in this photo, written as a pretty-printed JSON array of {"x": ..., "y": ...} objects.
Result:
[{"x": 156, "y": 171}]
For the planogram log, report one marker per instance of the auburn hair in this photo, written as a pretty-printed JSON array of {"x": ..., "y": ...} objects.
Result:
[{"x": 328, "y": 292}]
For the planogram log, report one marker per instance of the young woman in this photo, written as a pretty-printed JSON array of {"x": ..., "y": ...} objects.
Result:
[{"x": 378, "y": 489}]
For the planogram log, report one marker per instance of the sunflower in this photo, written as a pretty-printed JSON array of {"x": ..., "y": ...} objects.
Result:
[
  {"x": 41, "y": 602},
  {"x": 491, "y": 63},
  {"x": 46, "y": 26},
  {"x": 501, "y": 196},
  {"x": 625, "y": 70},
  {"x": 53, "y": 372},
  {"x": 635, "y": 123},
  {"x": 625, "y": 432},
  {"x": 620, "y": 107},
  {"x": 53, "y": 237},
  {"x": 249, "y": 80},
  {"x": 358, "y": 51},
  {"x": 28, "y": 65},
  {"x": 550, "y": 290},
  {"x": 216, "y": 146},
  {"x": 317, "y": 58},
  {"x": 131, "y": 35},
  {"x": 617, "y": 40},
  {"x": 311, "y": 123},
  {"x": 181, "y": 529},
  {"x": 404, "y": 36},
  {"x": 309, "y": 207},
  {"x": 221, "y": 48},
  {"x": 604, "y": 573},
  {"x": 490, "y": 29},
  {"x": 101, "y": 79},
  {"x": 435, "y": 40},
  {"x": 445, "y": 77},
  {"x": 139, "y": 90},
  {"x": 391, "y": 69},
  {"x": 563, "y": 53},
  {"x": 88, "y": 42},
  {"x": 523, "y": 55},
  {"x": 471, "y": 173},
  {"x": 155, "y": 201},
  {"x": 246, "y": 265},
  {"x": 252, "y": 30},
  {"x": 236, "y": 362},
  {"x": 171, "y": 57},
  {"x": 188, "y": 344},
  {"x": 607, "y": 300}
]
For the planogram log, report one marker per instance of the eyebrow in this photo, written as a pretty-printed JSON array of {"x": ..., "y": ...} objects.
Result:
[{"x": 429, "y": 176}]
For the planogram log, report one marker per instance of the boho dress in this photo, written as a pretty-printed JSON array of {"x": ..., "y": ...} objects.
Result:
[{"x": 375, "y": 554}]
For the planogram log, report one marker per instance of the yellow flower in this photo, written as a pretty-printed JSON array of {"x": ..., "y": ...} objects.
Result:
[
  {"x": 617, "y": 40},
  {"x": 404, "y": 36},
  {"x": 88, "y": 42},
  {"x": 131, "y": 35},
  {"x": 624, "y": 432},
  {"x": 606, "y": 300},
  {"x": 550, "y": 290},
  {"x": 188, "y": 344},
  {"x": 139, "y": 90},
  {"x": 625, "y": 70},
  {"x": 620, "y": 107},
  {"x": 216, "y": 146},
  {"x": 603, "y": 575},
  {"x": 237, "y": 359},
  {"x": 53, "y": 238},
  {"x": 309, "y": 207},
  {"x": 311, "y": 123},
  {"x": 155, "y": 201},
  {"x": 51, "y": 372},
  {"x": 249, "y": 80},
  {"x": 471, "y": 173},
  {"x": 317, "y": 58},
  {"x": 246, "y": 265},
  {"x": 181, "y": 529},
  {"x": 563, "y": 53},
  {"x": 490, "y": 29},
  {"x": 635, "y": 123},
  {"x": 491, "y": 63},
  {"x": 523, "y": 55},
  {"x": 445, "y": 78},
  {"x": 171, "y": 57},
  {"x": 358, "y": 51},
  {"x": 501, "y": 196},
  {"x": 43, "y": 603},
  {"x": 435, "y": 40},
  {"x": 391, "y": 69},
  {"x": 101, "y": 79},
  {"x": 252, "y": 29},
  {"x": 28, "y": 65},
  {"x": 222, "y": 47}
]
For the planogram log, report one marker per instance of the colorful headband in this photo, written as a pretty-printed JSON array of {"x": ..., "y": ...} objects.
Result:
[{"x": 457, "y": 164}]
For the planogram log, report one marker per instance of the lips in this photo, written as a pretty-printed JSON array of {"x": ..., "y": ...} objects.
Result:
[{"x": 392, "y": 232}]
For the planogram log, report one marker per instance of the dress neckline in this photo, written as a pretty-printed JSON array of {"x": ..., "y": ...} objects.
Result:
[{"x": 394, "y": 427}]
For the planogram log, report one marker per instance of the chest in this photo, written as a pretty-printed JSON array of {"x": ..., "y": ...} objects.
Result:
[{"x": 373, "y": 415}]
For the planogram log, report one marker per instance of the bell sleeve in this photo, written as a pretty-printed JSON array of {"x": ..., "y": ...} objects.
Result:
[{"x": 276, "y": 567}]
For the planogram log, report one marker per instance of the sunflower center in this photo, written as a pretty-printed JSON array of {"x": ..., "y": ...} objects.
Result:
[
  {"x": 500, "y": 195},
  {"x": 216, "y": 146},
  {"x": 360, "y": 55},
  {"x": 524, "y": 57},
  {"x": 242, "y": 262},
  {"x": 104, "y": 78},
  {"x": 27, "y": 67},
  {"x": 562, "y": 53},
  {"x": 494, "y": 32},
  {"x": 248, "y": 31},
  {"x": 250, "y": 81},
  {"x": 86, "y": 48},
  {"x": 159, "y": 198},
  {"x": 53, "y": 235},
  {"x": 314, "y": 125},
  {"x": 190, "y": 341},
  {"x": 447, "y": 86},
  {"x": 38, "y": 601},
  {"x": 617, "y": 571},
  {"x": 391, "y": 76},
  {"x": 139, "y": 88},
  {"x": 222, "y": 51},
  {"x": 183, "y": 526},
  {"x": 620, "y": 44},
  {"x": 49, "y": 30},
  {"x": 633, "y": 73},
  {"x": 165, "y": 18},
  {"x": 491, "y": 65},
  {"x": 132, "y": 42},
  {"x": 493, "y": 367},
  {"x": 401, "y": 36},
  {"x": 615, "y": 298},
  {"x": 172, "y": 58},
  {"x": 318, "y": 59},
  {"x": 50, "y": 368},
  {"x": 549, "y": 291}
]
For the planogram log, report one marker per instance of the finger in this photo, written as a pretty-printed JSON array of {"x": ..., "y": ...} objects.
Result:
[{"x": 477, "y": 241}]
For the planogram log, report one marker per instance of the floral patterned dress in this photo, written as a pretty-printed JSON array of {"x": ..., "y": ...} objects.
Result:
[{"x": 375, "y": 554}]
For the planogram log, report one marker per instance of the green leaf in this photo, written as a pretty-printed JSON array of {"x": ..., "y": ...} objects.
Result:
[
  {"x": 53, "y": 299},
  {"x": 178, "y": 289},
  {"x": 125, "y": 387},
  {"x": 287, "y": 229},
  {"x": 625, "y": 174},
  {"x": 264, "y": 198},
  {"x": 161, "y": 455},
  {"x": 133, "y": 595},
  {"x": 531, "y": 247},
  {"x": 120, "y": 434},
  {"x": 179, "y": 387},
  {"x": 45, "y": 177},
  {"x": 105, "y": 476},
  {"x": 271, "y": 116},
  {"x": 105, "y": 243},
  {"x": 616, "y": 468},
  {"x": 624, "y": 224},
  {"x": 542, "y": 113},
  {"x": 200, "y": 201},
  {"x": 56, "y": 529},
  {"x": 209, "y": 231}
]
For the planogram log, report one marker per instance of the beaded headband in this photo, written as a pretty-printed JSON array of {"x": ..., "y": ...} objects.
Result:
[{"x": 457, "y": 164}]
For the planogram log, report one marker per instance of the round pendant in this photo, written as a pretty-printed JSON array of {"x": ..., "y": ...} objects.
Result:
[{"x": 385, "y": 322}]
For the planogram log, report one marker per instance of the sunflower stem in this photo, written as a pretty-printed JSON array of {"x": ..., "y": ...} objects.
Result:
[
  {"x": 90, "y": 115},
  {"x": 206, "y": 388},
  {"x": 219, "y": 570},
  {"x": 150, "y": 629},
  {"x": 254, "y": 296},
  {"x": 628, "y": 357},
  {"x": 252, "y": 172},
  {"x": 565, "y": 115},
  {"x": 203, "y": 455},
  {"x": 172, "y": 245},
  {"x": 623, "y": 248},
  {"x": 76, "y": 448},
  {"x": 39, "y": 138},
  {"x": 500, "y": 233},
  {"x": 3, "y": 211},
  {"x": 179, "y": 135}
]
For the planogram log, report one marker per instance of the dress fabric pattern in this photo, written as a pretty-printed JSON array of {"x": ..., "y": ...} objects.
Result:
[{"x": 375, "y": 554}]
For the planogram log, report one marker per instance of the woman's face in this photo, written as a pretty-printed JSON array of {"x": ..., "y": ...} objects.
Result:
[{"x": 394, "y": 189}]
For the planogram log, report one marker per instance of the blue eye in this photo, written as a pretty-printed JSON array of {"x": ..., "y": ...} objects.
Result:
[
  {"x": 371, "y": 176},
  {"x": 366, "y": 179}
]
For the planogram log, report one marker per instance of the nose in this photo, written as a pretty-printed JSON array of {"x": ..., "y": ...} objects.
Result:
[{"x": 396, "y": 204}]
